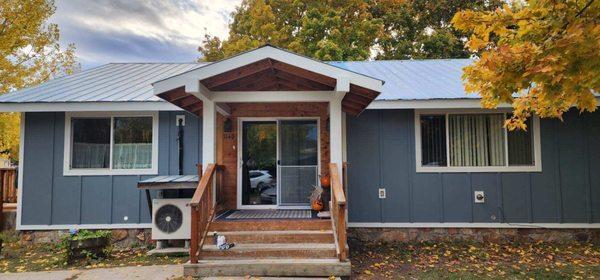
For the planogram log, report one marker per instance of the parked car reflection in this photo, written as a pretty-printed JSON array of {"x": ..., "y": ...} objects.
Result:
[
  {"x": 263, "y": 183},
  {"x": 260, "y": 179}
]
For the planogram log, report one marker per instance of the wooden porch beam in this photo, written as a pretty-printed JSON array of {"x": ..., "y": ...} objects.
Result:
[
  {"x": 189, "y": 100},
  {"x": 245, "y": 83},
  {"x": 301, "y": 80},
  {"x": 235, "y": 74}
]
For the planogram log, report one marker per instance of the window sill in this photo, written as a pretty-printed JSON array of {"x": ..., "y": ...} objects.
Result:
[
  {"x": 107, "y": 172},
  {"x": 482, "y": 169}
]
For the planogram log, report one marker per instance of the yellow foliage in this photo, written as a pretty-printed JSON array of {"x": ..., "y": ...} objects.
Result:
[
  {"x": 9, "y": 134},
  {"x": 541, "y": 56},
  {"x": 29, "y": 55}
]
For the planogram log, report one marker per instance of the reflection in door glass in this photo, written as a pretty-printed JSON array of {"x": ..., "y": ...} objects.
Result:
[{"x": 259, "y": 166}]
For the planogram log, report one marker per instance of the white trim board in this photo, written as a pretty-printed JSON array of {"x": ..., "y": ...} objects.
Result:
[
  {"x": 450, "y": 103},
  {"x": 20, "y": 175},
  {"x": 89, "y": 106},
  {"x": 474, "y": 225},
  {"x": 84, "y": 226}
]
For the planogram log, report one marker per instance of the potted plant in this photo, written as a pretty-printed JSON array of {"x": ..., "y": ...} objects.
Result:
[{"x": 86, "y": 244}]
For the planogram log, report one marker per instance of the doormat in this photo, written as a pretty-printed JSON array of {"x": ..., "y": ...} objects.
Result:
[{"x": 269, "y": 214}]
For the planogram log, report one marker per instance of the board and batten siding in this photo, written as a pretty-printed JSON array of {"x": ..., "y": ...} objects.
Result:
[
  {"x": 381, "y": 154},
  {"x": 49, "y": 198}
]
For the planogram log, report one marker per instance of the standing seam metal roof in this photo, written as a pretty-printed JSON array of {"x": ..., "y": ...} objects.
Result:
[{"x": 127, "y": 82}]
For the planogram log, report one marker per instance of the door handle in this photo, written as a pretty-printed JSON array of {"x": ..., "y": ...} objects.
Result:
[{"x": 278, "y": 162}]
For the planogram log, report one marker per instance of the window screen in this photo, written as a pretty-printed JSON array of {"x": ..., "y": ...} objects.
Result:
[
  {"x": 433, "y": 140},
  {"x": 520, "y": 145}
]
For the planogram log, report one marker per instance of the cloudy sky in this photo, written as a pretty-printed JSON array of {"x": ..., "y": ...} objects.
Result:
[{"x": 140, "y": 30}]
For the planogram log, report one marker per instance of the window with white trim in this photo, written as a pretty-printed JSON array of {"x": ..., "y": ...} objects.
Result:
[
  {"x": 103, "y": 144},
  {"x": 474, "y": 142}
]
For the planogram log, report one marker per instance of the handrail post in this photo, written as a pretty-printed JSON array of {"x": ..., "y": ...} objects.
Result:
[
  {"x": 338, "y": 214},
  {"x": 194, "y": 236}
]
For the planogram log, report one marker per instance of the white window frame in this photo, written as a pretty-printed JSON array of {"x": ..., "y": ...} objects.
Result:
[
  {"x": 68, "y": 171},
  {"x": 537, "y": 150}
]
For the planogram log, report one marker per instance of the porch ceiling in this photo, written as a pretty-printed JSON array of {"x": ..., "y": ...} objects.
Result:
[
  {"x": 183, "y": 100},
  {"x": 269, "y": 75}
]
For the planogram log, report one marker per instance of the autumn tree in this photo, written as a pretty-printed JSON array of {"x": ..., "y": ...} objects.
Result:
[
  {"x": 30, "y": 54},
  {"x": 541, "y": 56},
  {"x": 348, "y": 30},
  {"x": 419, "y": 29},
  {"x": 327, "y": 30}
]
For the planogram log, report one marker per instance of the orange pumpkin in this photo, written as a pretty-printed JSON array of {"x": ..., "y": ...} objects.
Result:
[
  {"x": 317, "y": 205},
  {"x": 325, "y": 182}
]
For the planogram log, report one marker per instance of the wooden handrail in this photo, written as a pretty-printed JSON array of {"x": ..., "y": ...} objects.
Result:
[
  {"x": 338, "y": 212},
  {"x": 336, "y": 184},
  {"x": 203, "y": 185},
  {"x": 203, "y": 210}
]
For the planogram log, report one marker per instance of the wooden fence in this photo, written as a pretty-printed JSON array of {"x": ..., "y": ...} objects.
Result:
[{"x": 8, "y": 183}]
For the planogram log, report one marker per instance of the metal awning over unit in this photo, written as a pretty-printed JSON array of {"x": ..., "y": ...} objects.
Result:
[{"x": 169, "y": 182}]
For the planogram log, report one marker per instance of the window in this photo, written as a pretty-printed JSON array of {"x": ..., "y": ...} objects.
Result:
[
  {"x": 474, "y": 142},
  {"x": 111, "y": 144}
]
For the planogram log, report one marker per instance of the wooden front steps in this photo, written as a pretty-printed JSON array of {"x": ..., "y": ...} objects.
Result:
[{"x": 295, "y": 247}]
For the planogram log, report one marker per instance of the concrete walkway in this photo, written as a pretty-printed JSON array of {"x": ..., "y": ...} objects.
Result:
[{"x": 156, "y": 272}]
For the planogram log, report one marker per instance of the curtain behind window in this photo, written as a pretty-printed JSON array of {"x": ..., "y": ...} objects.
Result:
[
  {"x": 91, "y": 142},
  {"x": 476, "y": 140},
  {"x": 133, "y": 143}
]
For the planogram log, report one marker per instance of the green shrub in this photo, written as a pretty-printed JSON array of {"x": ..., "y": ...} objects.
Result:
[{"x": 71, "y": 251}]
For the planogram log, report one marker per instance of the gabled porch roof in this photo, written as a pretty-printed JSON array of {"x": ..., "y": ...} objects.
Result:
[{"x": 268, "y": 69}]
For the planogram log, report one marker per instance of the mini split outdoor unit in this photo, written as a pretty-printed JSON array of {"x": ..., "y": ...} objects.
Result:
[{"x": 170, "y": 219}]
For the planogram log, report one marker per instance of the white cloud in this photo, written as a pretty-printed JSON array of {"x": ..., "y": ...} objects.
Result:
[{"x": 153, "y": 30}]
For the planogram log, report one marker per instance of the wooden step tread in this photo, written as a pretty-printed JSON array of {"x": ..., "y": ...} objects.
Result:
[
  {"x": 269, "y": 267},
  {"x": 273, "y": 247},
  {"x": 269, "y": 232},
  {"x": 270, "y": 225},
  {"x": 275, "y": 236}
]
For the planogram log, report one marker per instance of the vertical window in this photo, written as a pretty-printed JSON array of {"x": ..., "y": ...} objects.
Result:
[
  {"x": 433, "y": 140},
  {"x": 132, "y": 147},
  {"x": 520, "y": 145},
  {"x": 91, "y": 143}
]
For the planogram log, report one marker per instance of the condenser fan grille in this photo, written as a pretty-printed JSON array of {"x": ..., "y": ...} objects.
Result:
[{"x": 168, "y": 218}]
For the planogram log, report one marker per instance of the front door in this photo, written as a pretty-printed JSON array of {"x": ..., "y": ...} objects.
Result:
[{"x": 279, "y": 163}]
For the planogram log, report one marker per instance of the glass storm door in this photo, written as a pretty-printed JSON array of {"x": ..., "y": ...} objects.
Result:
[
  {"x": 298, "y": 161},
  {"x": 259, "y": 163}
]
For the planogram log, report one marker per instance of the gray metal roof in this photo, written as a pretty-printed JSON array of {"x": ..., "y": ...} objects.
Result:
[
  {"x": 123, "y": 82},
  {"x": 119, "y": 82},
  {"x": 415, "y": 79}
]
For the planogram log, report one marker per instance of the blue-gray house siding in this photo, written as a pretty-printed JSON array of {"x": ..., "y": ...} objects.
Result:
[
  {"x": 381, "y": 153},
  {"x": 49, "y": 198}
]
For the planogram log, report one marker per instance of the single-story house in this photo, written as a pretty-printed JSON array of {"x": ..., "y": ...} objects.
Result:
[{"x": 402, "y": 142}]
